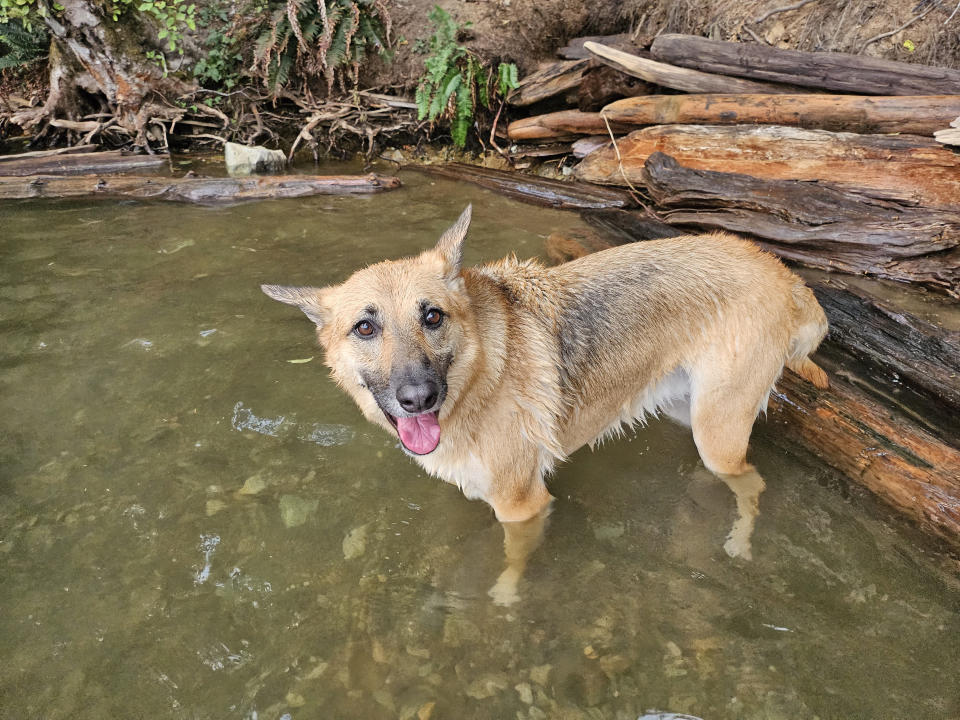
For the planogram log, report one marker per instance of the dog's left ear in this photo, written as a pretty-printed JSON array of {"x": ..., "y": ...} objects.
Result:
[
  {"x": 308, "y": 299},
  {"x": 450, "y": 245}
]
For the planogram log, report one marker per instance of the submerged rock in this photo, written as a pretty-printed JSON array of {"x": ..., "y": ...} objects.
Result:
[
  {"x": 243, "y": 160},
  {"x": 355, "y": 543},
  {"x": 294, "y": 510}
]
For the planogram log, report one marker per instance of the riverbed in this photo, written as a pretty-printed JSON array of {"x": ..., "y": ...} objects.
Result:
[{"x": 196, "y": 523}]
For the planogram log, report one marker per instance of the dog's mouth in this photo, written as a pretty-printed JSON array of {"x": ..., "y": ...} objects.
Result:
[{"x": 419, "y": 434}]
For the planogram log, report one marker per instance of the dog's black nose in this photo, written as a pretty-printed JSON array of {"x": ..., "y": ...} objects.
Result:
[{"x": 417, "y": 397}]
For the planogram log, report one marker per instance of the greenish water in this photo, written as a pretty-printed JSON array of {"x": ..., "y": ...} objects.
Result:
[{"x": 193, "y": 526}]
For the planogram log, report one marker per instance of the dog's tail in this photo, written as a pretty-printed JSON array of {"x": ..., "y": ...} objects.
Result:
[{"x": 811, "y": 329}]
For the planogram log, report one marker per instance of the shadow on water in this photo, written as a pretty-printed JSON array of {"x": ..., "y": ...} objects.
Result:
[{"x": 194, "y": 523}]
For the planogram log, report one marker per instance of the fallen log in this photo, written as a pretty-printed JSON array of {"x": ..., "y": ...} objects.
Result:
[
  {"x": 822, "y": 70},
  {"x": 817, "y": 226},
  {"x": 201, "y": 191},
  {"x": 574, "y": 49},
  {"x": 910, "y": 169},
  {"x": 868, "y": 441},
  {"x": 918, "y": 115},
  {"x": 563, "y": 124},
  {"x": 549, "y": 81},
  {"x": 909, "y": 469},
  {"x": 74, "y": 150},
  {"x": 679, "y": 78},
  {"x": 535, "y": 190},
  {"x": 895, "y": 356},
  {"x": 110, "y": 161}
]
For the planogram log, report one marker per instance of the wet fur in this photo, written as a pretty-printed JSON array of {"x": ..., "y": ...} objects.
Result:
[{"x": 539, "y": 361}]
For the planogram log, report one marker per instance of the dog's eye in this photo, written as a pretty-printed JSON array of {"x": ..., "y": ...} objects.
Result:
[
  {"x": 365, "y": 329},
  {"x": 433, "y": 318}
]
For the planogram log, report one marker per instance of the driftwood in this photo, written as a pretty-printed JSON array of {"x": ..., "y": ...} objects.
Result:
[
  {"x": 111, "y": 161},
  {"x": 562, "y": 124},
  {"x": 535, "y": 190},
  {"x": 202, "y": 191},
  {"x": 895, "y": 356},
  {"x": 586, "y": 145},
  {"x": 822, "y": 70},
  {"x": 871, "y": 442},
  {"x": 906, "y": 168},
  {"x": 574, "y": 49},
  {"x": 549, "y": 81},
  {"x": 602, "y": 84},
  {"x": 905, "y": 466},
  {"x": 679, "y": 78},
  {"x": 817, "y": 226},
  {"x": 919, "y": 115},
  {"x": 74, "y": 150},
  {"x": 949, "y": 136}
]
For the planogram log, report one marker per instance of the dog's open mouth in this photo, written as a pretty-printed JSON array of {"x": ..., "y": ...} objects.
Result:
[{"x": 419, "y": 434}]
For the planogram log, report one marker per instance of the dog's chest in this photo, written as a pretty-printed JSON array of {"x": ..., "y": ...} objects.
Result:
[{"x": 467, "y": 471}]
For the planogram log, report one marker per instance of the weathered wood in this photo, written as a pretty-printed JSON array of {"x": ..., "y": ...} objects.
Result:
[
  {"x": 602, "y": 84},
  {"x": 111, "y": 161},
  {"x": 679, "y": 78},
  {"x": 918, "y": 115},
  {"x": 822, "y": 70},
  {"x": 574, "y": 49},
  {"x": 535, "y": 190},
  {"x": 562, "y": 124},
  {"x": 893, "y": 355},
  {"x": 815, "y": 225},
  {"x": 586, "y": 145},
  {"x": 549, "y": 81},
  {"x": 202, "y": 191},
  {"x": 907, "y": 168},
  {"x": 76, "y": 149},
  {"x": 911, "y": 470}
]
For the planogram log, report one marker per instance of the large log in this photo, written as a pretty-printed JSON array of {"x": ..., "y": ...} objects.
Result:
[
  {"x": 895, "y": 356},
  {"x": 869, "y": 441},
  {"x": 907, "y": 168},
  {"x": 818, "y": 226},
  {"x": 549, "y": 81},
  {"x": 679, "y": 78},
  {"x": 822, "y": 70},
  {"x": 563, "y": 124},
  {"x": 918, "y": 115},
  {"x": 535, "y": 190},
  {"x": 74, "y": 150},
  {"x": 908, "y": 468},
  {"x": 111, "y": 161},
  {"x": 202, "y": 191}
]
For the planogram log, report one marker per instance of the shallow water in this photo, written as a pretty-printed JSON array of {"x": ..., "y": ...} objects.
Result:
[{"x": 195, "y": 523}]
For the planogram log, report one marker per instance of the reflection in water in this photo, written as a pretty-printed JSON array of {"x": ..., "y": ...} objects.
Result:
[{"x": 747, "y": 488}]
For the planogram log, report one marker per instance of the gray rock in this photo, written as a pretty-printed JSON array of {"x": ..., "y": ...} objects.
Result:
[{"x": 243, "y": 160}]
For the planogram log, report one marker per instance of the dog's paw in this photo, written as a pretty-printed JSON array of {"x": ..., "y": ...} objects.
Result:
[
  {"x": 505, "y": 592},
  {"x": 737, "y": 547}
]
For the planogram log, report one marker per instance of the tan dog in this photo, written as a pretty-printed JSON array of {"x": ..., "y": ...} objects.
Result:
[{"x": 491, "y": 375}]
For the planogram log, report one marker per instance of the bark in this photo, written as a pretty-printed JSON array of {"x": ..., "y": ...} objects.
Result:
[
  {"x": 201, "y": 191},
  {"x": 562, "y": 124},
  {"x": 113, "y": 161},
  {"x": 909, "y": 169},
  {"x": 817, "y": 226},
  {"x": 821, "y": 70},
  {"x": 535, "y": 190},
  {"x": 908, "y": 468},
  {"x": 574, "y": 49},
  {"x": 679, "y": 78},
  {"x": 920, "y": 115},
  {"x": 551, "y": 80}
]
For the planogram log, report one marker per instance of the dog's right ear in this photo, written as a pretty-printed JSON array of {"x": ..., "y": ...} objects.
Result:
[
  {"x": 450, "y": 244},
  {"x": 308, "y": 299}
]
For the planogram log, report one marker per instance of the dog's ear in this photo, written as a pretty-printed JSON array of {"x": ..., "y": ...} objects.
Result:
[
  {"x": 450, "y": 245},
  {"x": 308, "y": 299}
]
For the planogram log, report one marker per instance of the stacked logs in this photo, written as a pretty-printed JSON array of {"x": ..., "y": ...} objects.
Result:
[{"x": 859, "y": 179}]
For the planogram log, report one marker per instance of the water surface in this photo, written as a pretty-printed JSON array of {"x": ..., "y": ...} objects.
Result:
[{"x": 195, "y": 523}]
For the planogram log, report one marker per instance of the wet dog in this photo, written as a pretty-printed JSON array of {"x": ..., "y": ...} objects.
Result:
[{"x": 491, "y": 375}]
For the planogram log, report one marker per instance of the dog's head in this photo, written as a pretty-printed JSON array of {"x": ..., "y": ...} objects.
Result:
[{"x": 398, "y": 337}]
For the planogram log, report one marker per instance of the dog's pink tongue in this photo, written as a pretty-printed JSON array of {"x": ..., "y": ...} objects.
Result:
[{"x": 420, "y": 434}]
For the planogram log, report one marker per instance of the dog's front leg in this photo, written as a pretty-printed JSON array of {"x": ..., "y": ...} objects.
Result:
[{"x": 522, "y": 510}]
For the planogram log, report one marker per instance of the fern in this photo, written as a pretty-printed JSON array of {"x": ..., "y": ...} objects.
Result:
[
  {"x": 20, "y": 45},
  {"x": 454, "y": 80}
]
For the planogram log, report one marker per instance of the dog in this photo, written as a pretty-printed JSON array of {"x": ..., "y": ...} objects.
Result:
[{"x": 489, "y": 376}]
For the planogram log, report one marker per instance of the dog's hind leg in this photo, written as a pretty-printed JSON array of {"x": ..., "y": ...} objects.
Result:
[{"x": 724, "y": 404}]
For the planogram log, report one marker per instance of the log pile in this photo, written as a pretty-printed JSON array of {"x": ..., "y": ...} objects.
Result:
[{"x": 761, "y": 142}]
